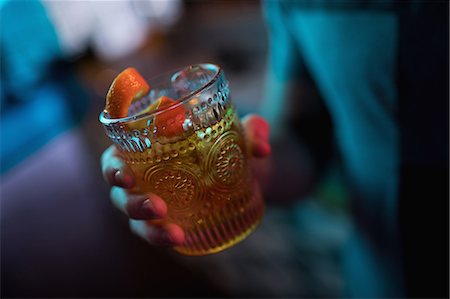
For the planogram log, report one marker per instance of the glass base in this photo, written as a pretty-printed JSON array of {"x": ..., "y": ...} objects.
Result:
[{"x": 220, "y": 235}]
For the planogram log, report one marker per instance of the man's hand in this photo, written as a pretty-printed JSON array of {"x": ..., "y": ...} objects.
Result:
[{"x": 150, "y": 206}]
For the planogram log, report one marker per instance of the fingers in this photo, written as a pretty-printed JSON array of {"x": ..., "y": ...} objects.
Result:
[
  {"x": 168, "y": 234},
  {"x": 257, "y": 131},
  {"x": 147, "y": 206},
  {"x": 136, "y": 206},
  {"x": 115, "y": 171}
]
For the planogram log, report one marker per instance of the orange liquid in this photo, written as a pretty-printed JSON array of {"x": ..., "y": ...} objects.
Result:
[{"x": 206, "y": 184}]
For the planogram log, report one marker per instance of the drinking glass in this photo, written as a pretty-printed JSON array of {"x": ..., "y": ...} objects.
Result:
[{"x": 193, "y": 155}]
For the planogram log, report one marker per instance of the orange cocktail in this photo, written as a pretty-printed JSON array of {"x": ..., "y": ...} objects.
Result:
[{"x": 184, "y": 142}]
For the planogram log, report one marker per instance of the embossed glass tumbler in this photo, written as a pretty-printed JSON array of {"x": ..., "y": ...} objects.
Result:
[{"x": 193, "y": 155}]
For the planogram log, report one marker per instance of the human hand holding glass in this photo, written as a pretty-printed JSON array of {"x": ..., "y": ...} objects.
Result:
[
  {"x": 182, "y": 140},
  {"x": 150, "y": 206}
]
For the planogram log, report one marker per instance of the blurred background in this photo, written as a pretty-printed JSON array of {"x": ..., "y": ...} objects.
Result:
[{"x": 61, "y": 236}]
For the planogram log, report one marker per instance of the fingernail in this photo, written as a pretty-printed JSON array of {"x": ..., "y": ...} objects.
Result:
[
  {"x": 167, "y": 238},
  {"x": 262, "y": 133},
  {"x": 147, "y": 209},
  {"x": 266, "y": 149},
  {"x": 262, "y": 148},
  {"x": 124, "y": 179}
]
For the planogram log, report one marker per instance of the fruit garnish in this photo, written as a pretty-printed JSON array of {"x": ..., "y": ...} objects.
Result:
[
  {"x": 126, "y": 87},
  {"x": 168, "y": 123}
]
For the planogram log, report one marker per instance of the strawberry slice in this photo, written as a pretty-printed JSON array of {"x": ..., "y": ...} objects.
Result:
[{"x": 126, "y": 87}]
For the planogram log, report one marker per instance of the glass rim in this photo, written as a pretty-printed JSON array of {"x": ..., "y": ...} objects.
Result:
[{"x": 180, "y": 101}]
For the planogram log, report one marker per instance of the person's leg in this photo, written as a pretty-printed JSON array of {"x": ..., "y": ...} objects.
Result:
[{"x": 352, "y": 56}]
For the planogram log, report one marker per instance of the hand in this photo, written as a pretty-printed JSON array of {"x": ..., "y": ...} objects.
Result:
[{"x": 150, "y": 206}]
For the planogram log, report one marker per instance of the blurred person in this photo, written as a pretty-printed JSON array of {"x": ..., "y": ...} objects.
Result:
[
  {"x": 374, "y": 64},
  {"x": 372, "y": 76}
]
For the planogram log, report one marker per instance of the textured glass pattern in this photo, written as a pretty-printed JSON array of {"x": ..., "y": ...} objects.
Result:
[{"x": 202, "y": 173}]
